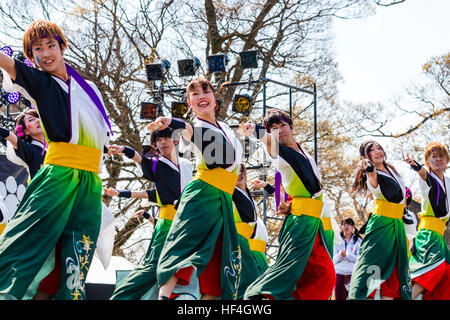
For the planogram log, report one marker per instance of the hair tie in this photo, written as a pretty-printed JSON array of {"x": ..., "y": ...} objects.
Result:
[{"x": 19, "y": 130}]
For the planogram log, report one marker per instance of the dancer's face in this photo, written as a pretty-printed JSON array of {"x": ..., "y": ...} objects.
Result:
[
  {"x": 437, "y": 161},
  {"x": 376, "y": 154},
  {"x": 166, "y": 146},
  {"x": 202, "y": 101},
  {"x": 32, "y": 126},
  {"x": 48, "y": 56},
  {"x": 283, "y": 132}
]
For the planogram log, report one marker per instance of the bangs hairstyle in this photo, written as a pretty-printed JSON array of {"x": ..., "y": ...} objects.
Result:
[
  {"x": 437, "y": 147},
  {"x": 41, "y": 29},
  {"x": 21, "y": 121},
  {"x": 275, "y": 116},
  {"x": 366, "y": 147},
  {"x": 202, "y": 82},
  {"x": 165, "y": 133}
]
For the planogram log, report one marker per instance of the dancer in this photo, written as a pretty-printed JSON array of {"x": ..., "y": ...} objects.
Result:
[
  {"x": 63, "y": 200},
  {"x": 203, "y": 245},
  {"x": 25, "y": 147},
  {"x": 303, "y": 269},
  {"x": 170, "y": 174},
  {"x": 429, "y": 264},
  {"x": 245, "y": 218},
  {"x": 383, "y": 258}
]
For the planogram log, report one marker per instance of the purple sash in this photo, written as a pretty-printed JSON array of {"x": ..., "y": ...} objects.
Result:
[{"x": 91, "y": 93}]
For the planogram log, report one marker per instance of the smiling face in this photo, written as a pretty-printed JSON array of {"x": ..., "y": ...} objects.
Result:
[
  {"x": 376, "y": 154},
  {"x": 48, "y": 55},
  {"x": 202, "y": 99}
]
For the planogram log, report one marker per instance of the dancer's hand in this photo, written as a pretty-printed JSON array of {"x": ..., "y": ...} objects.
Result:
[
  {"x": 111, "y": 192},
  {"x": 247, "y": 129},
  {"x": 410, "y": 160},
  {"x": 159, "y": 124},
  {"x": 140, "y": 214},
  {"x": 115, "y": 150},
  {"x": 343, "y": 253},
  {"x": 258, "y": 183},
  {"x": 366, "y": 165}
]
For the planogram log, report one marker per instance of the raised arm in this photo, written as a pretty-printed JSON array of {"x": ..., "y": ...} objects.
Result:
[
  {"x": 127, "y": 151},
  {"x": 417, "y": 167},
  {"x": 162, "y": 123},
  {"x": 7, "y": 63},
  {"x": 8, "y": 135},
  {"x": 259, "y": 132}
]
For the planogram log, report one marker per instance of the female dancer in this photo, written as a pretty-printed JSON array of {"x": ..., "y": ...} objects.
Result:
[
  {"x": 429, "y": 264},
  {"x": 245, "y": 218},
  {"x": 170, "y": 174},
  {"x": 63, "y": 200},
  {"x": 203, "y": 242},
  {"x": 303, "y": 269},
  {"x": 383, "y": 257},
  {"x": 25, "y": 147}
]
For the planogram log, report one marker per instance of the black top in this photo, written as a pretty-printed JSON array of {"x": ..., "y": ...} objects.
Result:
[
  {"x": 244, "y": 205},
  {"x": 166, "y": 179},
  {"x": 52, "y": 100},
  {"x": 437, "y": 196},
  {"x": 31, "y": 154},
  {"x": 390, "y": 188},
  {"x": 302, "y": 168},
  {"x": 216, "y": 149}
]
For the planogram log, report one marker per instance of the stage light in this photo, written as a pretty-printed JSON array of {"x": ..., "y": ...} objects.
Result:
[
  {"x": 150, "y": 110},
  {"x": 21, "y": 57},
  {"x": 249, "y": 59},
  {"x": 179, "y": 109},
  {"x": 217, "y": 63},
  {"x": 13, "y": 97},
  {"x": 157, "y": 71},
  {"x": 242, "y": 103},
  {"x": 188, "y": 67}
]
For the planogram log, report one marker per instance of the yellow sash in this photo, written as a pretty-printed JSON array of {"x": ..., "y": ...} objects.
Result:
[
  {"x": 73, "y": 156},
  {"x": 433, "y": 224},
  {"x": 307, "y": 206},
  {"x": 219, "y": 178},
  {"x": 244, "y": 229},
  {"x": 2, "y": 227},
  {"x": 388, "y": 209},
  {"x": 326, "y": 223},
  {"x": 257, "y": 245},
  {"x": 167, "y": 212}
]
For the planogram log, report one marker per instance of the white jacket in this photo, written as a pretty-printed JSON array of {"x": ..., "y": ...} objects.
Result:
[{"x": 345, "y": 265}]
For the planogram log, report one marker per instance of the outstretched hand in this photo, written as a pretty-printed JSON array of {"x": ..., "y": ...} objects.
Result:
[
  {"x": 247, "y": 129},
  {"x": 111, "y": 192},
  {"x": 258, "y": 183},
  {"x": 140, "y": 214},
  {"x": 160, "y": 123},
  {"x": 410, "y": 160},
  {"x": 115, "y": 150}
]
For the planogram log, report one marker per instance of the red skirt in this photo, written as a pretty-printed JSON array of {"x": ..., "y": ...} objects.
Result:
[
  {"x": 391, "y": 286},
  {"x": 209, "y": 279},
  {"x": 436, "y": 283}
]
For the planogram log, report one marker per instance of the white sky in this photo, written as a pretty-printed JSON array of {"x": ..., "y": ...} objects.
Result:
[{"x": 379, "y": 55}]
